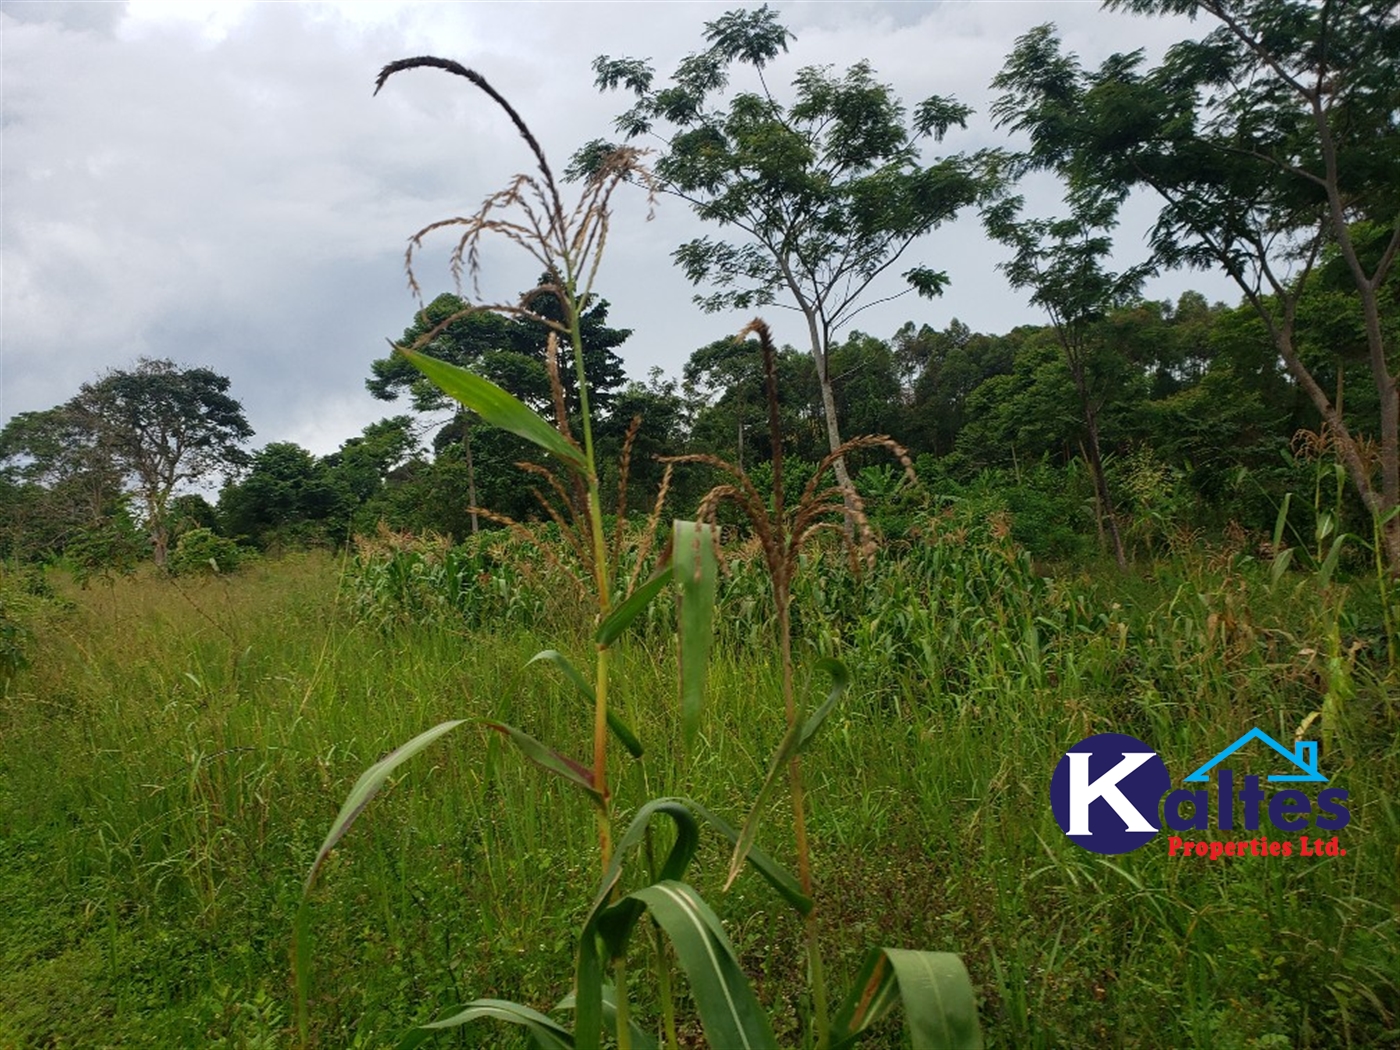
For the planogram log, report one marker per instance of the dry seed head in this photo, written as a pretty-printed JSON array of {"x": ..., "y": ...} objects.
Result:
[
  {"x": 653, "y": 522},
  {"x": 556, "y": 385},
  {"x": 529, "y": 211},
  {"x": 623, "y": 471}
]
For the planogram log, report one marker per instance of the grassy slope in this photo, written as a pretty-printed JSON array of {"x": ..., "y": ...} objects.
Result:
[{"x": 169, "y": 765}]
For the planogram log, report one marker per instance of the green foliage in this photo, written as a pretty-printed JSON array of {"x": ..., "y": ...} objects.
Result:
[
  {"x": 285, "y": 491},
  {"x": 15, "y": 640},
  {"x": 57, "y": 478},
  {"x": 169, "y": 908},
  {"x": 112, "y": 546},
  {"x": 395, "y": 580},
  {"x": 821, "y": 197},
  {"x": 511, "y": 351},
  {"x": 204, "y": 552},
  {"x": 1269, "y": 144},
  {"x": 164, "y": 426}
]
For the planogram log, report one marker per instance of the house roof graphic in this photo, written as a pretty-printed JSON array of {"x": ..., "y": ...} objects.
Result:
[{"x": 1304, "y": 756}]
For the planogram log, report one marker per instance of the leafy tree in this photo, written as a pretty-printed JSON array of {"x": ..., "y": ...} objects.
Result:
[
  {"x": 164, "y": 426},
  {"x": 1270, "y": 144},
  {"x": 155, "y": 427},
  {"x": 1061, "y": 261},
  {"x": 286, "y": 493},
  {"x": 661, "y": 417},
  {"x": 724, "y": 380},
  {"x": 1025, "y": 413},
  {"x": 191, "y": 511},
  {"x": 111, "y": 546},
  {"x": 511, "y": 352},
  {"x": 940, "y": 370},
  {"x": 60, "y": 477},
  {"x": 362, "y": 464},
  {"x": 823, "y": 196},
  {"x": 865, "y": 382}
]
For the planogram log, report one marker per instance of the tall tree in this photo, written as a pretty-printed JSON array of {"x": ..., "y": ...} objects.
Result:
[
  {"x": 285, "y": 494},
  {"x": 823, "y": 196},
  {"x": 1269, "y": 143},
  {"x": 940, "y": 370},
  {"x": 510, "y": 351},
  {"x": 1061, "y": 262},
  {"x": 161, "y": 426},
  {"x": 63, "y": 478},
  {"x": 724, "y": 381}
]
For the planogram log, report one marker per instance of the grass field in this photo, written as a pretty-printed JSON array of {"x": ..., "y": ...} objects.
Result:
[{"x": 173, "y": 756}]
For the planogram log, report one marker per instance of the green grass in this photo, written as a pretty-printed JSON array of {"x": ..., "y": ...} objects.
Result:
[{"x": 175, "y": 752}]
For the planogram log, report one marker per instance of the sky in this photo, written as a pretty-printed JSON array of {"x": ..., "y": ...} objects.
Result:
[{"x": 213, "y": 183}]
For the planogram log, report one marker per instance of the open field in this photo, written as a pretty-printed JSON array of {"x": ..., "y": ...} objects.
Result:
[{"x": 173, "y": 757}]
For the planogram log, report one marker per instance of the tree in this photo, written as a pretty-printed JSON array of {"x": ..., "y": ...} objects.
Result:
[
  {"x": 285, "y": 492},
  {"x": 940, "y": 370},
  {"x": 62, "y": 475},
  {"x": 1061, "y": 262},
  {"x": 164, "y": 426},
  {"x": 824, "y": 195},
  {"x": 724, "y": 380},
  {"x": 1272, "y": 144},
  {"x": 660, "y": 416},
  {"x": 510, "y": 351},
  {"x": 865, "y": 382}
]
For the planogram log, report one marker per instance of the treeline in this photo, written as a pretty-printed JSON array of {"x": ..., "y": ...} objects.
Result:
[
  {"x": 1268, "y": 147},
  {"x": 1203, "y": 432}
]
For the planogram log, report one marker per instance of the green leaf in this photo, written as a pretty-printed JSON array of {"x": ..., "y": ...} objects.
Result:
[
  {"x": 696, "y": 569},
  {"x": 940, "y": 1005},
  {"x": 840, "y": 682},
  {"x": 1329, "y": 564},
  {"x": 371, "y": 780},
  {"x": 620, "y": 728},
  {"x": 1281, "y": 520},
  {"x": 552, "y": 761},
  {"x": 773, "y": 873},
  {"x": 794, "y": 742},
  {"x": 546, "y": 1033},
  {"x": 617, "y": 621},
  {"x": 641, "y": 1039},
  {"x": 730, "y": 1013},
  {"x": 622, "y": 919},
  {"x": 496, "y": 406}
]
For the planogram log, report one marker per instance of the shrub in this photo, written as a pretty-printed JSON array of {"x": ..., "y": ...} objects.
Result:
[{"x": 202, "y": 551}]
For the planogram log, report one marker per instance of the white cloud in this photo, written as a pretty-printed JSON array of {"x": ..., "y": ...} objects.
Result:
[{"x": 214, "y": 183}]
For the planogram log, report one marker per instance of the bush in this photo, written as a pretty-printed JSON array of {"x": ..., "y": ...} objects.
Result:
[
  {"x": 106, "y": 549},
  {"x": 202, "y": 551}
]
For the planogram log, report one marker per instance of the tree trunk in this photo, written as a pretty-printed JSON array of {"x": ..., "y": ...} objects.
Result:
[
  {"x": 740, "y": 461},
  {"x": 1380, "y": 504},
  {"x": 1091, "y": 418},
  {"x": 1098, "y": 507},
  {"x": 1368, "y": 286},
  {"x": 833, "y": 430},
  {"x": 471, "y": 468}
]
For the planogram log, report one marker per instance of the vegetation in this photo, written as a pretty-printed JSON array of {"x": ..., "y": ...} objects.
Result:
[
  {"x": 277, "y": 800},
  {"x": 1270, "y": 145},
  {"x": 825, "y": 194},
  {"x": 169, "y": 770}
]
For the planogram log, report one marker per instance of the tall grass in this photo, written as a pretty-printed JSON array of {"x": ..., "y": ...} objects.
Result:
[{"x": 165, "y": 773}]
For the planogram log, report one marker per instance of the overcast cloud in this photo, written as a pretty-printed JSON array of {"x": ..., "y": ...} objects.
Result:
[{"x": 213, "y": 182}]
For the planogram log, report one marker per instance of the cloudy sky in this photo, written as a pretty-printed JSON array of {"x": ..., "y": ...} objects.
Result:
[{"x": 213, "y": 182}]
